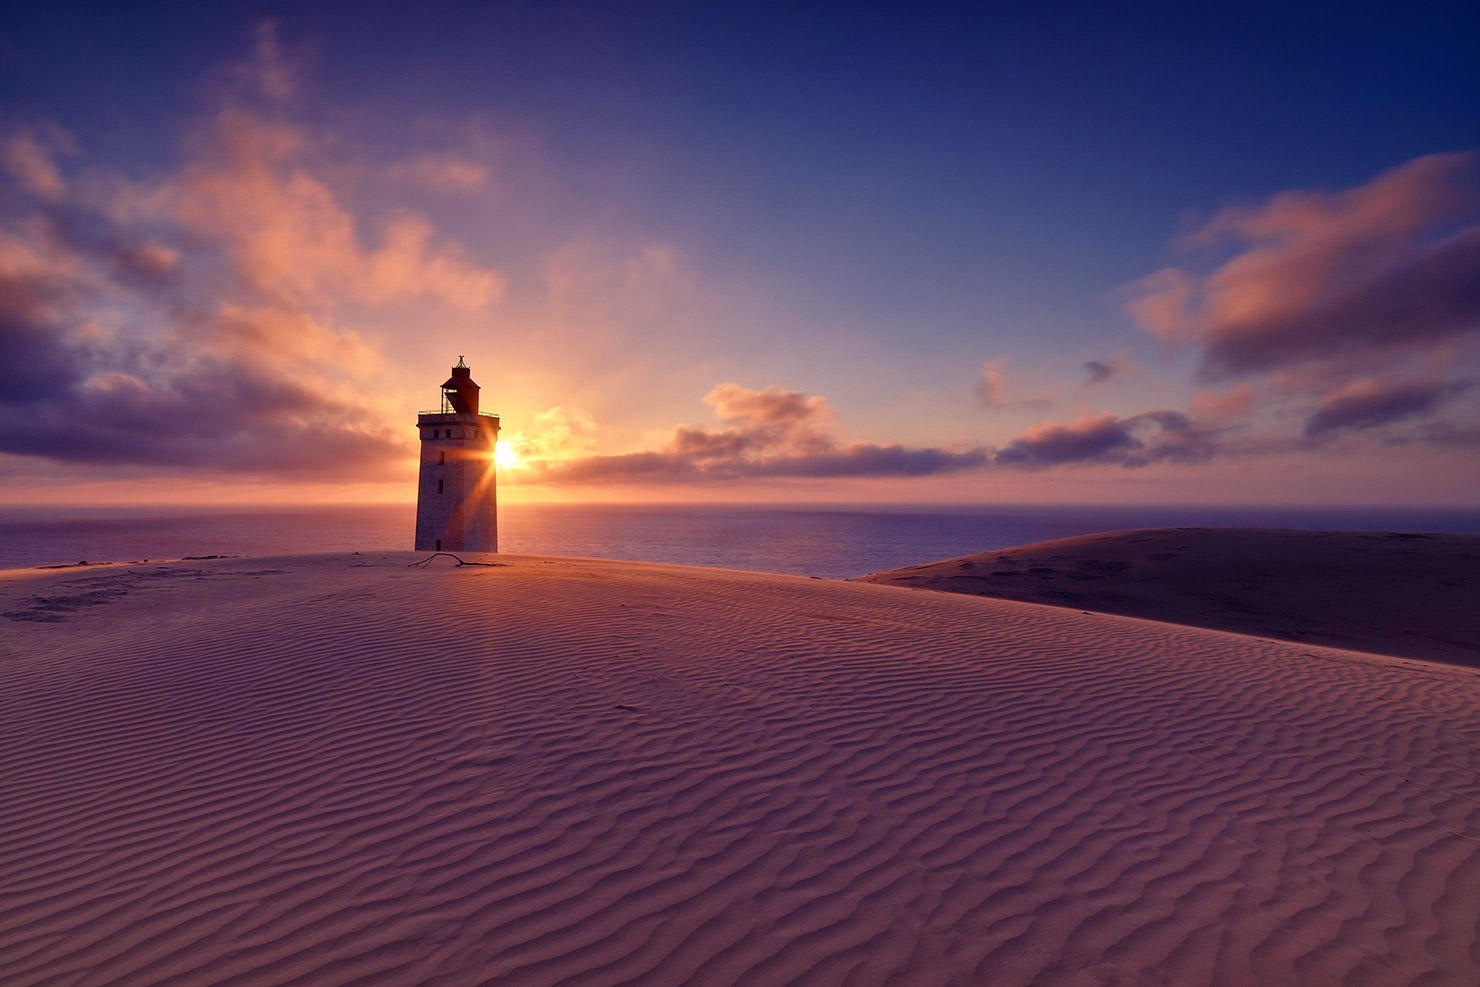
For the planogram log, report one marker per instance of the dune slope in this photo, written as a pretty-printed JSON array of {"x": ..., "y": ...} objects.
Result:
[
  {"x": 337, "y": 770},
  {"x": 1412, "y": 595}
]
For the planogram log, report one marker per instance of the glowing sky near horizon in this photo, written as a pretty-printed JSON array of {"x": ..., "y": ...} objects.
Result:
[{"x": 709, "y": 252}]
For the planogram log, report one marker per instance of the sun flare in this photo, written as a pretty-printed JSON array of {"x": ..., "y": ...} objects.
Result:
[{"x": 504, "y": 456}]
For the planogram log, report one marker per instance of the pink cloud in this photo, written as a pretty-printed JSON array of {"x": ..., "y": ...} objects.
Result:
[
  {"x": 1235, "y": 403},
  {"x": 768, "y": 406},
  {"x": 211, "y": 298},
  {"x": 993, "y": 389},
  {"x": 1371, "y": 402},
  {"x": 253, "y": 189},
  {"x": 771, "y": 432},
  {"x": 1320, "y": 274},
  {"x": 29, "y": 157}
]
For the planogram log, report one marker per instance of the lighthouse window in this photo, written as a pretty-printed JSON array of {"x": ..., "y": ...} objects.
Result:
[
  {"x": 442, "y": 458},
  {"x": 439, "y": 486}
]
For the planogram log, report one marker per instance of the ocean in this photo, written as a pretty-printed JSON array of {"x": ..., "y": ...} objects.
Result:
[{"x": 832, "y": 542}]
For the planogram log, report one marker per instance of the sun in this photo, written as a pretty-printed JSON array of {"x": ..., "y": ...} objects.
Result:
[{"x": 504, "y": 456}]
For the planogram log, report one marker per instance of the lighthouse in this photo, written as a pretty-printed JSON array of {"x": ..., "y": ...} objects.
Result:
[{"x": 456, "y": 499}]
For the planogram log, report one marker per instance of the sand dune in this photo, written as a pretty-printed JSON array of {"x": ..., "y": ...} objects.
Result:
[
  {"x": 337, "y": 770},
  {"x": 1411, "y": 595}
]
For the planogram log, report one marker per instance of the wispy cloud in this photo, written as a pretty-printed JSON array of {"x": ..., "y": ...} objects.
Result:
[
  {"x": 1106, "y": 369},
  {"x": 443, "y": 172},
  {"x": 993, "y": 389},
  {"x": 29, "y": 155}
]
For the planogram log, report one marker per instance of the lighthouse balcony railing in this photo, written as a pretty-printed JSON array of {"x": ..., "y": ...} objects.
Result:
[{"x": 452, "y": 414}]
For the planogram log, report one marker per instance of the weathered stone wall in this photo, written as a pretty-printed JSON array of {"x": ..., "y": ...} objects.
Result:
[{"x": 457, "y": 451}]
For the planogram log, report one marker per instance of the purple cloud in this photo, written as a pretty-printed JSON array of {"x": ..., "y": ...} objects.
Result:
[
  {"x": 1152, "y": 436},
  {"x": 1387, "y": 265},
  {"x": 1100, "y": 371},
  {"x": 1369, "y": 404}
]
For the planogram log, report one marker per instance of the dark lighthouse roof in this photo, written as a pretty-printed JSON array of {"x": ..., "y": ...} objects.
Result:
[{"x": 459, "y": 392}]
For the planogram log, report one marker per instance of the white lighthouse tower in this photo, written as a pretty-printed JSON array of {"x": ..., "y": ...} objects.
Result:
[{"x": 456, "y": 497}]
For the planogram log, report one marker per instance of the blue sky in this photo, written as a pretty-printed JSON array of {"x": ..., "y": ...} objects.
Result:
[{"x": 866, "y": 204}]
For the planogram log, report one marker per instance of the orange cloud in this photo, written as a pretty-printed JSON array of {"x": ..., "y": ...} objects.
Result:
[
  {"x": 768, "y": 406},
  {"x": 1231, "y": 404},
  {"x": 211, "y": 297},
  {"x": 253, "y": 190},
  {"x": 770, "y": 432}
]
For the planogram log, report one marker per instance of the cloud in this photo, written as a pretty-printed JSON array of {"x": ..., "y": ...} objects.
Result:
[
  {"x": 446, "y": 172},
  {"x": 1109, "y": 368},
  {"x": 992, "y": 390},
  {"x": 35, "y": 359},
  {"x": 557, "y": 433},
  {"x": 269, "y": 73},
  {"x": 1451, "y": 434},
  {"x": 1049, "y": 443},
  {"x": 1099, "y": 371},
  {"x": 989, "y": 384},
  {"x": 1368, "y": 403},
  {"x": 236, "y": 390},
  {"x": 773, "y": 433},
  {"x": 253, "y": 190},
  {"x": 1235, "y": 403},
  {"x": 1389, "y": 264},
  {"x": 768, "y": 432},
  {"x": 766, "y": 407},
  {"x": 29, "y": 157},
  {"x": 197, "y": 320},
  {"x": 1152, "y": 436}
]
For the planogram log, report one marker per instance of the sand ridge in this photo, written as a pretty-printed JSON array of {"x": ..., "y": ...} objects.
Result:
[
  {"x": 337, "y": 770},
  {"x": 1393, "y": 593}
]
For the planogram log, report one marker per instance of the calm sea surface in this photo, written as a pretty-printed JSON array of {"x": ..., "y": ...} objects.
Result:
[{"x": 815, "y": 541}]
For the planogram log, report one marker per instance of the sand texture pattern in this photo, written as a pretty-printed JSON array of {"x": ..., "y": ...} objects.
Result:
[
  {"x": 1391, "y": 593},
  {"x": 334, "y": 770}
]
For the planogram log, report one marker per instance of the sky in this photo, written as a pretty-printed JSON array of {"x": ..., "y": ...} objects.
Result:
[{"x": 744, "y": 252}]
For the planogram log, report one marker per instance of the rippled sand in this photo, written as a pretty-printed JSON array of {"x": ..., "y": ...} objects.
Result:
[{"x": 338, "y": 770}]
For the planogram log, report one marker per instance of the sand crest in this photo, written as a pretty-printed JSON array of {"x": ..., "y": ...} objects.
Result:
[
  {"x": 336, "y": 770},
  {"x": 1392, "y": 593}
]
